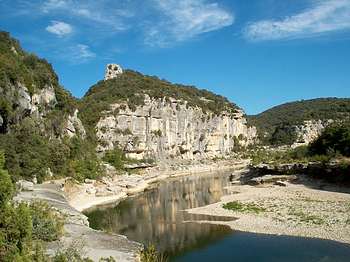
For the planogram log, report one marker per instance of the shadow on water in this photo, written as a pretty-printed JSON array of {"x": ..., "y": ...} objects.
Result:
[{"x": 157, "y": 217}]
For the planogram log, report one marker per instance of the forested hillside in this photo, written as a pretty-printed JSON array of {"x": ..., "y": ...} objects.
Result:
[
  {"x": 285, "y": 116},
  {"x": 34, "y": 112}
]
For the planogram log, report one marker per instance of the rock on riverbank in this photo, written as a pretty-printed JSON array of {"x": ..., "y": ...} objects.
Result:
[{"x": 96, "y": 244}]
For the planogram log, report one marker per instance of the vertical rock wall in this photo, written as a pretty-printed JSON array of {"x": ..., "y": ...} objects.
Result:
[{"x": 170, "y": 129}]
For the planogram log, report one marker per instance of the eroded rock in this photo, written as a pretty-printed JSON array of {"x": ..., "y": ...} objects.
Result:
[
  {"x": 168, "y": 128},
  {"x": 266, "y": 179},
  {"x": 113, "y": 71}
]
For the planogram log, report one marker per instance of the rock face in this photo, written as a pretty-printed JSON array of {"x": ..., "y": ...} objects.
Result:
[
  {"x": 24, "y": 104},
  {"x": 113, "y": 71},
  {"x": 74, "y": 126},
  {"x": 168, "y": 128},
  {"x": 37, "y": 105},
  {"x": 309, "y": 131}
]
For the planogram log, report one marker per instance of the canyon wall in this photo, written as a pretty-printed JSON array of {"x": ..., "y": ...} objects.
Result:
[{"x": 169, "y": 128}]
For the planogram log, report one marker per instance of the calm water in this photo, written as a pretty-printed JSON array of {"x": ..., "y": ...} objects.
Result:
[
  {"x": 242, "y": 246},
  {"x": 156, "y": 216}
]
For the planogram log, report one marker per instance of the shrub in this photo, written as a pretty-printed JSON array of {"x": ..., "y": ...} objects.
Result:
[
  {"x": 73, "y": 253},
  {"x": 115, "y": 157},
  {"x": 150, "y": 254},
  {"x": 283, "y": 135},
  {"x": 47, "y": 224},
  {"x": 157, "y": 133},
  {"x": 243, "y": 207},
  {"x": 334, "y": 139},
  {"x": 6, "y": 186}
]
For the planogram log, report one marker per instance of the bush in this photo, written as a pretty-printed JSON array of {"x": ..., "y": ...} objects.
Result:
[
  {"x": 243, "y": 207},
  {"x": 23, "y": 226},
  {"x": 115, "y": 157},
  {"x": 6, "y": 186},
  {"x": 334, "y": 139},
  {"x": 150, "y": 254},
  {"x": 71, "y": 254},
  {"x": 283, "y": 135},
  {"x": 47, "y": 224}
]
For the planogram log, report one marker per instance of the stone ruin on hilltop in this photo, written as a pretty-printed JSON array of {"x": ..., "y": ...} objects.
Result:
[{"x": 113, "y": 71}]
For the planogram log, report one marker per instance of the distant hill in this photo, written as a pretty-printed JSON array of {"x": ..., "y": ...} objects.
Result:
[{"x": 295, "y": 113}]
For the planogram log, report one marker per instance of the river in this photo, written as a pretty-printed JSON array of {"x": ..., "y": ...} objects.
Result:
[{"x": 157, "y": 217}]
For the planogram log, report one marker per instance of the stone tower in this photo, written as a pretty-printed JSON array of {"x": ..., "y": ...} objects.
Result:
[{"x": 112, "y": 71}]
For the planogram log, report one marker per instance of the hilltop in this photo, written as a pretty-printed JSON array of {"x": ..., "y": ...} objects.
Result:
[{"x": 287, "y": 116}]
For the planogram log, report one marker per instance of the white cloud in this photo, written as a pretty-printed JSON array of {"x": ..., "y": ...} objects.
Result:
[
  {"x": 54, "y": 5},
  {"x": 98, "y": 12},
  {"x": 59, "y": 28},
  {"x": 77, "y": 54},
  {"x": 324, "y": 16},
  {"x": 184, "y": 19},
  {"x": 83, "y": 52},
  {"x": 160, "y": 23}
]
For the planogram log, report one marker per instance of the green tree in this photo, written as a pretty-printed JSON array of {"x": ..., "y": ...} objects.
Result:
[{"x": 334, "y": 139}]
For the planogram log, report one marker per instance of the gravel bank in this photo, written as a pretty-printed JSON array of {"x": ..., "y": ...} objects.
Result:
[{"x": 295, "y": 210}]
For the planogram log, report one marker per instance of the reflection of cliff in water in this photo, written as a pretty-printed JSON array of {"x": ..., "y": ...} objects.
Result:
[{"x": 155, "y": 216}]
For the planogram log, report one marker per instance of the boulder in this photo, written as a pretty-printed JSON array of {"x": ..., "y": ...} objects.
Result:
[
  {"x": 89, "y": 181},
  {"x": 91, "y": 190},
  {"x": 24, "y": 185},
  {"x": 103, "y": 192},
  {"x": 280, "y": 183},
  {"x": 270, "y": 179}
]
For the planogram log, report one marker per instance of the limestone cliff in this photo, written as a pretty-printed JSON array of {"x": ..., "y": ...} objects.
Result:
[
  {"x": 310, "y": 131},
  {"x": 29, "y": 88},
  {"x": 170, "y": 127}
]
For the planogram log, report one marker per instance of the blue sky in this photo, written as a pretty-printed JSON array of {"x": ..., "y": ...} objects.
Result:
[{"x": 258, "y": 53}]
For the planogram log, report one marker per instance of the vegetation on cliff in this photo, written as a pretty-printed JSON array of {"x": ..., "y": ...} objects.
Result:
[
  {"x": 274, "y": 125},
  {"x": 330, "y": 152},
  {"x": 35, "y": 147},
  {"x": 18, "y": 66},
  {"x": 131, "y": 86},
  {"x": 335, "y": 139},
  {"x": 24, "y": 227}
]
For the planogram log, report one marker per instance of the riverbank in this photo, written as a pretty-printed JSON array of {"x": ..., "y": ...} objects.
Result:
[
  {"x": 77, "y": 233},
  {"x": 72, "y": 199},
  {"x": 304, "y": 208},
  {"x": 113, "y": 189}
]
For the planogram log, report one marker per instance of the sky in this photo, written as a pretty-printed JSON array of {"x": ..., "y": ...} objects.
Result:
[{"x": 258, "y": 53}]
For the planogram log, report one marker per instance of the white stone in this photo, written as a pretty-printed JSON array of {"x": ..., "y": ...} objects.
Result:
[
  {"x": 13, "y": 49},
  {"x": 309, "y": 131},
  {"x": 24, "y": 185},
  {"x": 91, "y": 190},
  {"x": 160, "y": 129},
  {"x": 113, "y": 71},
  {"x": 89, "y": 181},
  {"x": 74, "y": 126}
]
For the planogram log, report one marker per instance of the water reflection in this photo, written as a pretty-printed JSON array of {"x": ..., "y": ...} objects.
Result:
[{"x": 156, "y": 216}]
